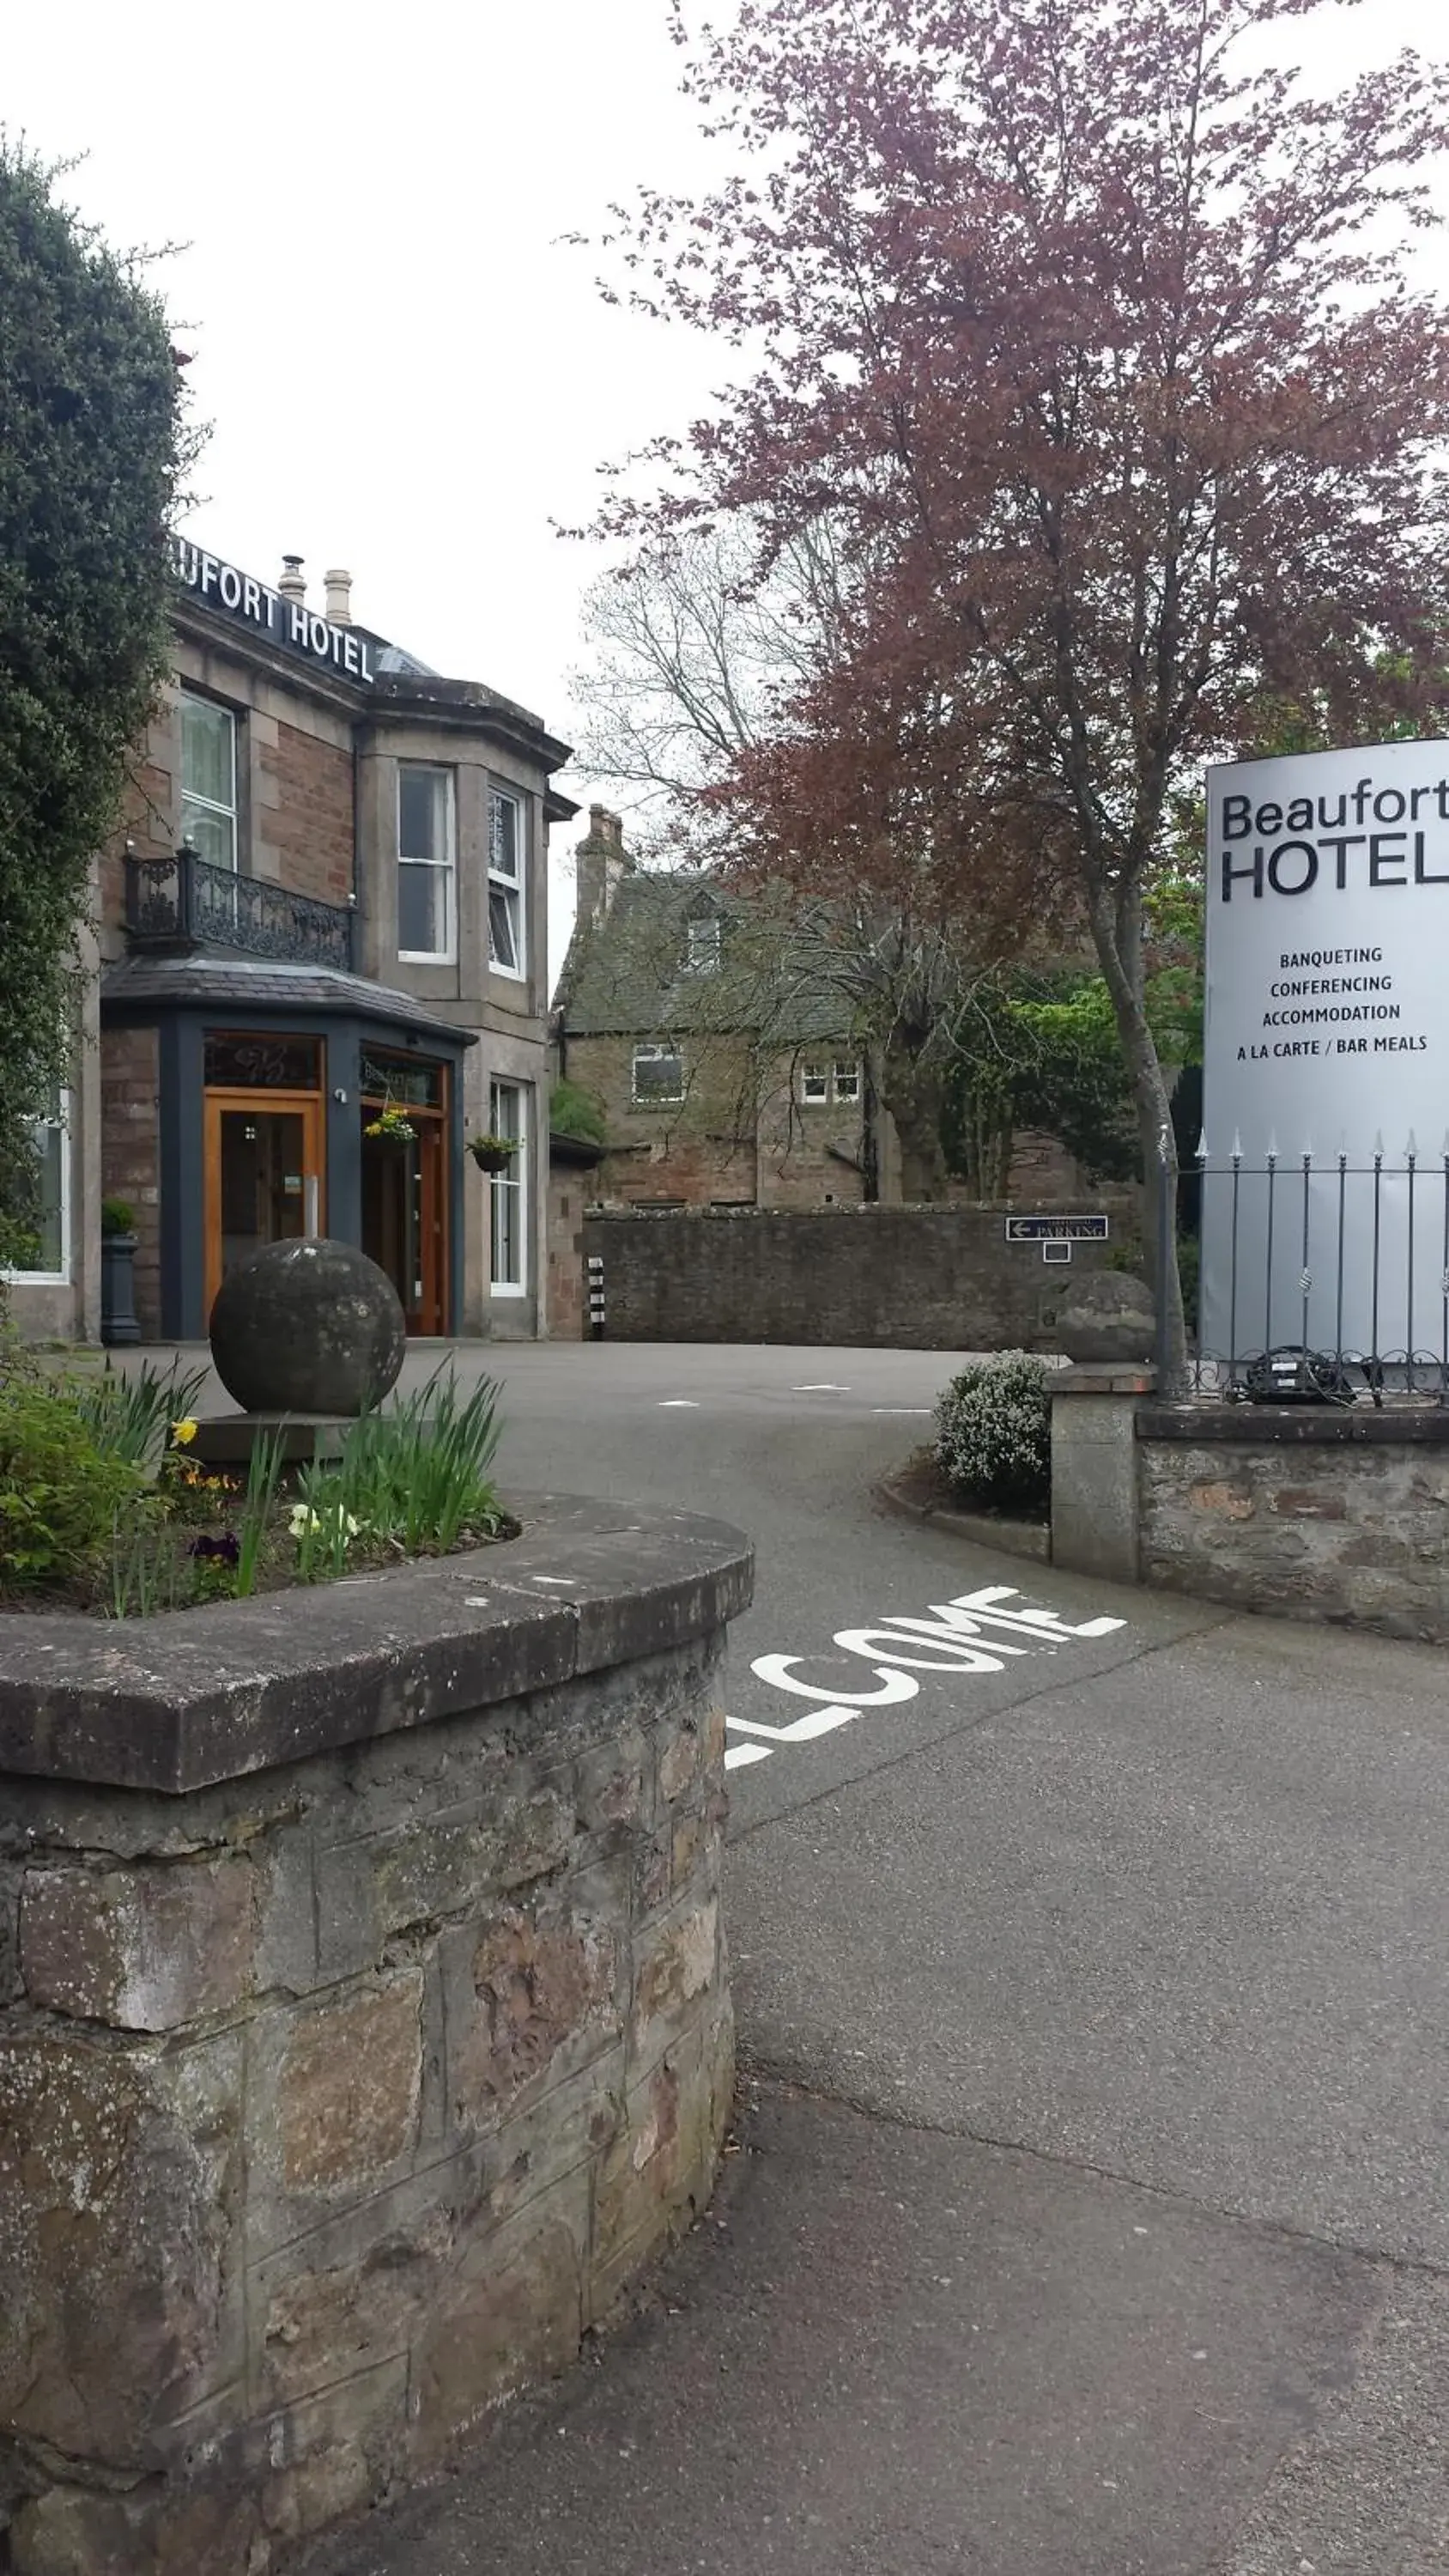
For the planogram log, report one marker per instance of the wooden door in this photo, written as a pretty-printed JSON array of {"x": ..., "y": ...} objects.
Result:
[{"x": 265, "y": 1175}]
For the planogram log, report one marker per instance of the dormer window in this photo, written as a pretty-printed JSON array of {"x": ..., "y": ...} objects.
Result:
[{"x": 702, "y": 946}]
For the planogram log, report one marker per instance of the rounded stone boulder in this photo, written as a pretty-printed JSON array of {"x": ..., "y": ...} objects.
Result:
[
  {"x": 1106, "y": 1316},
  {"x": 307, "y": 1327}
]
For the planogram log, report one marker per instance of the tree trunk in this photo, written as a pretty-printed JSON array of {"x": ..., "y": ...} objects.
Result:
[
  {"x": 915, "y": 1096},
  {"x": 1117, "y": 932}
]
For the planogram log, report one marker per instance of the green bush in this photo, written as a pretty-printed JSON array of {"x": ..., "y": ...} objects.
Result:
[
  {"x": 61, "y": 1488},
  {"x": 574, "y": 1111},
  {"x": 993, "y": 1434}
]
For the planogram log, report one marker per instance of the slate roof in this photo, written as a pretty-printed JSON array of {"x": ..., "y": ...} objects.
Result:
[
  {"x": 246, "y": 984},
  {"x": 627, "y": 975}
]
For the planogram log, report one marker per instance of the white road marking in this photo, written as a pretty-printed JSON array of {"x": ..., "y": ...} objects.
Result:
[
  {"x": 564, "y": 1579},
  {"x": 916, "y": 1411},
  {"x": 678, "y": 1403},
  {"x": 816, "y": 1721},
  {"x": 820, "y": 1386},
  {"x": 949, "y": 1644}
]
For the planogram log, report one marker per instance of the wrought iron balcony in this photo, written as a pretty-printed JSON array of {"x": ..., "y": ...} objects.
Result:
[{"x": 184, "y": 902}]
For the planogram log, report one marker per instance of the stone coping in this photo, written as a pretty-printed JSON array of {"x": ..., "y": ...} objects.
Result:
[
  {"x": 193, "y": 1697},
  {"x": 1295, "y": 1426}
]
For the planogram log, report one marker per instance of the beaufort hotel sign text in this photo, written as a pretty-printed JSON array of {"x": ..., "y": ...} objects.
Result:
[{"x": 288, "y": 622}]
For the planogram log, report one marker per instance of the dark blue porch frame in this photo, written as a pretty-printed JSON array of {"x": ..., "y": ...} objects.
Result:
[{"x": 181, "y": 1034}]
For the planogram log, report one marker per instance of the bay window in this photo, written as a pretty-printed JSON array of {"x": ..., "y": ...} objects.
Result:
[
  {"x": 509, "y": 1211},
  {"x": 505, "y": 883},
  {"x": 426, "y": 864}
]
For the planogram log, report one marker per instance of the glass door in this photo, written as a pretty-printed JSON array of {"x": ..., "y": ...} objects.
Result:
[
  {"x": 405, "y": 1185},
  {"x": 264, "y": 1172}
]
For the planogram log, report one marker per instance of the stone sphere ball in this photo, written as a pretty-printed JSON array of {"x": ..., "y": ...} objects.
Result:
[{"x": 307, "y": 1327}]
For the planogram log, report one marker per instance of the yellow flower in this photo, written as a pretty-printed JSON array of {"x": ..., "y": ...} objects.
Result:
[{"x": 183, "y": 1433}]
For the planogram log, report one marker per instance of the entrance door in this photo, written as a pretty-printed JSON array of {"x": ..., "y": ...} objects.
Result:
[
  {"x": 405, "y": 1184},
  {"x": 264, "y": 1167},
  {"x": 404, "y": 1216}
]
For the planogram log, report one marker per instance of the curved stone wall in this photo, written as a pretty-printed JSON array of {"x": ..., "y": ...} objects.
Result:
[{"x": 364, "y": 2022}]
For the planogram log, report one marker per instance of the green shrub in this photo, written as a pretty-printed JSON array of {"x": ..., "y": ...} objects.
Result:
[
  {"x": 993, "y": 1434},
  {"x": 575, "y": 1111},
  {"x": 61, "y": 1489},
  {"x": 117, "y": 1216}
]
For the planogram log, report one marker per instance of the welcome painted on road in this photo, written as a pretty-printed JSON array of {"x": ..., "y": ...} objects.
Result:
[{"x": 978, "y": 1632}]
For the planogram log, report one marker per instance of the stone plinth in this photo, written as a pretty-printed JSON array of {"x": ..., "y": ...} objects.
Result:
[
  {"x": 364, "y": 2022},
  {"x": 1094, "y": 1469},
  {"x": 228, "y": 1439}
]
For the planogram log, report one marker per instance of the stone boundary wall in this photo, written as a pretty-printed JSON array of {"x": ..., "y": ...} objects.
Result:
[
  {"x": 364, "y": 2023},
  {"x": 1308, "y": 1512},
  {"x": 919, "y": 1278}
]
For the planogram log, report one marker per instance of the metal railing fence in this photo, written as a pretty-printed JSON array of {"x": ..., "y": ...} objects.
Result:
[{"x": 1321, "y": 1277}]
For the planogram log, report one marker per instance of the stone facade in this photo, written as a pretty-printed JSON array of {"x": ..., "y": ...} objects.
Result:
[
  {"x": 572, "y": 1183},
  {"x": 742, "y": 1137},
  {"x": 1308, "y": 1512},
  {"x": 926, "y": 1278},
  {"x": 341, "y": 2094},
  {"x": 307, "y": 838},
  {"x": 130, "y": 1155}
]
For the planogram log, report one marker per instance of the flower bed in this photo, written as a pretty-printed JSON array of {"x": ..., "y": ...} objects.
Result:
[{"x": 103, "y": 1508}]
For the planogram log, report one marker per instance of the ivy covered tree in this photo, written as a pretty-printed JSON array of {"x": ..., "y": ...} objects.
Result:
[{"x": 90, "y": 454}]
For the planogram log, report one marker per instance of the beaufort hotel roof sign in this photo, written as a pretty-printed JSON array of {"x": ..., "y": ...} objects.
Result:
[{"x": 287, "y": 622}]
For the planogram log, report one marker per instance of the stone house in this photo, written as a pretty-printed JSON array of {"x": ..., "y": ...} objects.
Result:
[
  {"x": 723, "y": 1056},
  {"x": 326, "y": 908},
  {"x": 723, "y": 1083}
]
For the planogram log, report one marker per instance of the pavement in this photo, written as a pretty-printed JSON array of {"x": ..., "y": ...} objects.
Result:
[{"x": 1088, "y": 2213}]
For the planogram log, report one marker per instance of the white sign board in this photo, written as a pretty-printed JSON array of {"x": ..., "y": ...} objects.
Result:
[{"x": 1327, "y": 1036}]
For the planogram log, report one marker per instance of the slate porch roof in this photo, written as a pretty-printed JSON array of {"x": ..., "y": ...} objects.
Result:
[{"x": 231, "y": 983}]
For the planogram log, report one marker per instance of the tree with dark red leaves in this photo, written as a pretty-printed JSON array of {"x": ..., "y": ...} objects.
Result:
[{"x": 1091, "y": 329}]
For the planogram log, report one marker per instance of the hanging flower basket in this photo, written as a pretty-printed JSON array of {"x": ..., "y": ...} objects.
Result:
[
  {"x": 492, "y": 1153},
  {"x": 391, "y": 1126}
]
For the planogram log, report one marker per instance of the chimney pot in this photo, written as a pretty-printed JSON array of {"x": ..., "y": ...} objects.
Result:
[
  {"x": 291, "y": 585},
  {"x": 338, "y": 586}
]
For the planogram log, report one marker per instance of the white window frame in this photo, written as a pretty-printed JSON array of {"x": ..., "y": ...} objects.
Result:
[
  {"x": 446, "y": 867},
  {"x": 208, "y": 804},
  {"x": 702, "y": 943},
  {"x": 514, "y": 1177},
  {"x": 845, "y": 1079},
  {"x": 513, "y": 887},
  {"x": 814, "y": 1086},
  {"x": 60, "y": 1278},
  {"x": 651, "y": 1051}
]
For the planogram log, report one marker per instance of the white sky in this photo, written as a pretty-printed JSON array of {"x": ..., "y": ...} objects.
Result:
[{"x": 406, "y": 370}]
